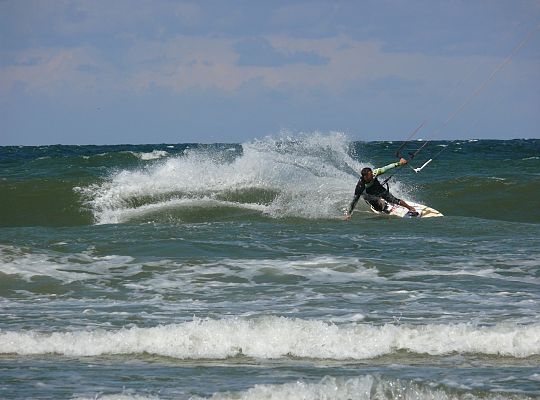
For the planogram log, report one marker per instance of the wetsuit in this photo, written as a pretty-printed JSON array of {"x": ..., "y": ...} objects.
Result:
[{"x": 374, "y": 190}]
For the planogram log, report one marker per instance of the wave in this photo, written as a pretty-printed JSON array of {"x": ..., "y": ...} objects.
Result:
[
  {"x": 279, "y": 337},
  {"x": 153, "y": 155},
  {"x": 339, "y": 388}
]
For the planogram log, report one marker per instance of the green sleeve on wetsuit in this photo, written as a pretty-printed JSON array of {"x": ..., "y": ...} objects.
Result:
[{"x": 382, "y": 170}]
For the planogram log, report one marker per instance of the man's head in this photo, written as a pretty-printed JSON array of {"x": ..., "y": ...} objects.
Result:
[{"x": 367, "y": 174}]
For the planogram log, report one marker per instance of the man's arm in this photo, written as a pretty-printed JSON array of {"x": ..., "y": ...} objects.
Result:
[
  {"x": 353, "y": 203},
  {"x": 357, "y": 193},
  {"x": 386, "y": 168},
  {"x": 348, "y": 214}
]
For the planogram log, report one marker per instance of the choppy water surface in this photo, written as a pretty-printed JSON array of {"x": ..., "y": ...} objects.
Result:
[{"x": 225, "y": 271}]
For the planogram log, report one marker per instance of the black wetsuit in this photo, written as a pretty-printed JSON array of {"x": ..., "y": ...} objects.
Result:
[{"x": 374, "y": 191}]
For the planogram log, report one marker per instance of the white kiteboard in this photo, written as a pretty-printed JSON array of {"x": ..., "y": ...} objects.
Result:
[{"x": 399, "y": 211}]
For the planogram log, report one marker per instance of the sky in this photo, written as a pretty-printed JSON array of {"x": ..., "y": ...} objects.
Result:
[{"x": 141, "y": 71}]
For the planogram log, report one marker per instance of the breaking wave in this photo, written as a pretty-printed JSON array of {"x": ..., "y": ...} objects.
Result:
[
  {"x": 307, "y": 176},
  {"x": 279, "y": 337}
]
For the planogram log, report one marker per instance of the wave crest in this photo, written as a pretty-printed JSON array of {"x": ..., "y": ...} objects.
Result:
[{"x": 308, "y": 176}]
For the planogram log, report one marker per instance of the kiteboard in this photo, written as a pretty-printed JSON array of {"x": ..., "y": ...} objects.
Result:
[{"x": 399, "y": 211}]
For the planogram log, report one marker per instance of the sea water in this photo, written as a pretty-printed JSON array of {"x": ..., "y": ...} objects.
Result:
[{"x": 226, "y": 271}]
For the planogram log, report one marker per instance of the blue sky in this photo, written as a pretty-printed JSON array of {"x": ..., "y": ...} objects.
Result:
[{"x": 134, "y": 71}]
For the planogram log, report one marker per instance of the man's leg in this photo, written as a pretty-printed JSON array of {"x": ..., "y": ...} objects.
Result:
[
  {"x": 391, "y": 199},
  {"x": 376, "y": 202},
  {"x": 410, "y": 208}
]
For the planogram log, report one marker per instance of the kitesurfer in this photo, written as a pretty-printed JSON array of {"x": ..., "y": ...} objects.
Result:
[{"x": 375, "y": 193}]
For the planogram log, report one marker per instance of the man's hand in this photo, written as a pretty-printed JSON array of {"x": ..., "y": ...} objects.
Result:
[
  {"x": 347, "y": 217},
  {"x": 402, "y": 161}
]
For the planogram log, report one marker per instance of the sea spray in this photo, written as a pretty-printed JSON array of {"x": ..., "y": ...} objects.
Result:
[{"x": 307, "y": 176}]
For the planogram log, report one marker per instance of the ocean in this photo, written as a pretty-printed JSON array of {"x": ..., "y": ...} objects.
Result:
[{"x": 226, "y": 271}]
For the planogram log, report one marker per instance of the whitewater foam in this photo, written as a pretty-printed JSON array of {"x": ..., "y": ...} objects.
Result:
[
  {"x": 67, "y": 268},
  {"x": 85, "y": 265},
  {"x": 153, "y": 155},
  {"x": 126, "y": 214},
  {"x": 279, "y": 337}
]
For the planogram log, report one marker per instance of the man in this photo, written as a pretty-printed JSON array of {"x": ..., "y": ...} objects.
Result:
[{"x": 375, "y": 193}]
